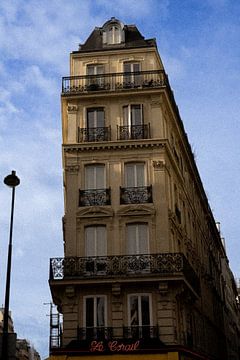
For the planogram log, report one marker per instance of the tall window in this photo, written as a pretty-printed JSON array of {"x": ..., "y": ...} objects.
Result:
[
  {"x": 139, "y": 315},
  {"x": 134, "y": 174},
  {"x": 137, "y": 239},
  {"x": 133, "y": 114},
  {"x": 95, "y": 316},
  {"x": 95, "y": 117},
  {"x": 95, "y": 177},
  {"x": 97, "y": 80},
  {"x": 134, "y": 79},
  {"x": 95, "y": 241}
]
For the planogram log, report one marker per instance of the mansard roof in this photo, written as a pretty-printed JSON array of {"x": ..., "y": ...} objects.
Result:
[{"x": 132, "y": 38}]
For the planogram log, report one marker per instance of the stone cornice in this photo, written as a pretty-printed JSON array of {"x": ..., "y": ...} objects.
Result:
[{"x": 114, "y": 145}]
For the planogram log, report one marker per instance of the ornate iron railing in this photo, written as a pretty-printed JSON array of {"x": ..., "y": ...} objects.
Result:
[
  {"x": 136, "y": 195},
  {"x": 114, "y": 82},
  {"x": 109, "y": 333},
  {"x": 94, "y": 197},
  {"x": 94, "y": 134},
  {"x": 116, "y": 266},
  {"x": 134, "y": 132}
]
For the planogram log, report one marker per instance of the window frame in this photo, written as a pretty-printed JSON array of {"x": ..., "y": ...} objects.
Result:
[
  {"x": 95, "y": 319},
  {"x": 136, "y": 241},
  {"x": 95, "y": 240},
  {"x": 129, "y": 118},
  {"x": 139, "y": 296},
  {"x": 95, "y": 110},
  {"x": 95, "y": 176},
  {"x": 135, "y": 175}
]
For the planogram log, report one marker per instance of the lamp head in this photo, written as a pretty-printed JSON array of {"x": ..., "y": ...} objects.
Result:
[{"x": 12, "y": 180}]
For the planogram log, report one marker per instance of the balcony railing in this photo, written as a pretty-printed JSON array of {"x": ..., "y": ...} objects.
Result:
[
  {"x": 94, "y": 197},
  {"x": 114, "y": 82},
  {"x": 94, "y": 134},
  {"x": 116, "y": 266},
  {"x": 109, "y": 333},
  {"x": 136, "y": 195},
  {"x": 134, "y": 132}
]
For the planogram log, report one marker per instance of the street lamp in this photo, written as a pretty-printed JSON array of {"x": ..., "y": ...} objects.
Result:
[{"x": 12, "y": 181}]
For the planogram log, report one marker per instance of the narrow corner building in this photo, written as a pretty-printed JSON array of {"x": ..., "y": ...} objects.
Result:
[{"x": 145, "y": 274}]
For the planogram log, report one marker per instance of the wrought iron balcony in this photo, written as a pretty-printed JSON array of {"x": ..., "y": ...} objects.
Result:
[
  {"x": 94, "y": 197},
  {"x": 134, "y": 132},
  {"x": 136, "y": 195},
  {"x": 109, "y": 333},
  {"x": 114, "y": 82},
  {"x": 118, "y": 266},
  {"x": 94, "y": 134}
]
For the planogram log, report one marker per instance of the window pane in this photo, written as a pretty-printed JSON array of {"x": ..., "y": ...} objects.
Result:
[
  {"x": 90, "y": 241},
  {"x": 125, "y": 116},
  {"x": 137, "y": 239},
  {"x": 129, "y": 175},
  {"x": 95, "y": 69},
  {"x": 131, "y": 239},
  {"x": 89, "y": 312},
  {"x": 139, "y": 175},
  {"x": 134, "y": 175},
  {"x": 90, "y": 69},
  {"x": 95, "y": 118},
  {"x": 127, "y": 67},
  {"x": 100, "y": 312},
  {"x": 95, "y": 177},
  {"x": 145, "y": 311},
  {"x": 136, "y": 115},
  {"x": 101, "y": 241},
  {"x": 136, "y": 67},
  {"x": 134, "y": 316},
  {"x": 142, "y": 238}
]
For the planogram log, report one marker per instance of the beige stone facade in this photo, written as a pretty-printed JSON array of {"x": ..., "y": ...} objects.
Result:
[{"x": 144, "y": 261}]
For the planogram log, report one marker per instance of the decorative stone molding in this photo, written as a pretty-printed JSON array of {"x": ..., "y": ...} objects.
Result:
[
  {"x": 72, "y": 168},
  {"x": 156, "y": 101},
  {"x": 94, "y": 211},
  {"x": 78, "y": 148},
  {"x": 163, "y": 288},
  {"x": 72, "y": 108},
  {"x": 116, "y": 289},
  {"x": 70, "y": 291},
  {"x": 136, "y": 209},
  {"x": 158, "y": 165}
]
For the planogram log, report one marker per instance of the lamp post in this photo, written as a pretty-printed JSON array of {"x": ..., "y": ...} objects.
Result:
[{"x": 12, "y": 181}]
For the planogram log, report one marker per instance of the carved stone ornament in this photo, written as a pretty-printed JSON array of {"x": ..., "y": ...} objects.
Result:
[
  {"x": 136, "y": 209},
  {"x": 94, "y": 211},
  {"x": 156, "y": 101},
  {"x": 158, "y": 164},
  {"x": 163, "y": 287},
  {"x": 72, "y": 108},
  {"x": 116, "y": 289},
  {"x": 70, "y": 291},
  {"x": 72, "y": 168}
]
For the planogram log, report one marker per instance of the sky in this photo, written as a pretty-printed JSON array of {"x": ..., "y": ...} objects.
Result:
[{"x": 199, "y": 43}]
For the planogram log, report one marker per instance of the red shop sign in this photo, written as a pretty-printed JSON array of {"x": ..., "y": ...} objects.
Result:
[{"x": 113, "y": 346}]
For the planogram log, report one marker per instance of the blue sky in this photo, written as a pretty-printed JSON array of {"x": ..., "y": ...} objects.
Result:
[{"x": 199, "y": 45}]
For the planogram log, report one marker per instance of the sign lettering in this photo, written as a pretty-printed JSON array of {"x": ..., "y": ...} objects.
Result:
[{"x": 113, "y": 346}]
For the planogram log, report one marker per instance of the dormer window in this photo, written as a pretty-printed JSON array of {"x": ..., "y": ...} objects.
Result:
[
  {"x": 113, "y": 32},
  {"x": 114, "y": 35}
]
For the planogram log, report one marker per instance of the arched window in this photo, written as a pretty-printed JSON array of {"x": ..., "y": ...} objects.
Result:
[{"x": 113, "y": 32}]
